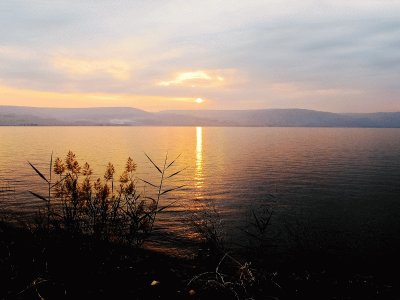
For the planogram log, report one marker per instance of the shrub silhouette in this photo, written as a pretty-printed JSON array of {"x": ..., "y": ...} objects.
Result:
[{"x": 105, "y": 209}]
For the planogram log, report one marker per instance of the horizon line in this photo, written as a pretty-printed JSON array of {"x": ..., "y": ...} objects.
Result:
[{"x": 166, "y": 110}]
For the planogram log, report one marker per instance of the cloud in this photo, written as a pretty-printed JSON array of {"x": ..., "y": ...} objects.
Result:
[
  {"x": 116, "y": 69},
  {"x": 296, "y": 91},
  {"x": 200, "y": 78},
  {"x": 15, "y": 53}
]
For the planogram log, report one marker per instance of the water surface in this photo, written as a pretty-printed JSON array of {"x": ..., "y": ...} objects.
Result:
[{"x": 337, "y": 182}]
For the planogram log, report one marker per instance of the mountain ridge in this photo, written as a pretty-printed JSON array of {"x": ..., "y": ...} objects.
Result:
[{"x": 128, "y": 116}]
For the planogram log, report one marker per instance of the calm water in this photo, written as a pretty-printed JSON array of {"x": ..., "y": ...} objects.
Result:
[{"x": 341, "y": 183}]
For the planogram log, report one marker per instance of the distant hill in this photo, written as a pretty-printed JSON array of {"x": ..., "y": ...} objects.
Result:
[
  {"x": 284, "y": 118},
  {"x": 20, "y": 115},
  {"x": 28, "y": 116}
]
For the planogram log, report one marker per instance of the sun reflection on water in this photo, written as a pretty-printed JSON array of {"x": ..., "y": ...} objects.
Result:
[{"x": 199, "y": 158}]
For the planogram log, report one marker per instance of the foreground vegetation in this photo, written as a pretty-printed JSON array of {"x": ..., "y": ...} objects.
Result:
[
  {"x": 105, "y": 209},
  {"x": 89, "y": 241}
]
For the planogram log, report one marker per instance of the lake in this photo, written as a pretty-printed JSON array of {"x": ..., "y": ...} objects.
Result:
[{"x": 336, "y": 183}]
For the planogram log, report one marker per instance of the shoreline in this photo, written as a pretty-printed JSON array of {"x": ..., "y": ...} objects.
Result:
[{"x": 55, "y": 265}]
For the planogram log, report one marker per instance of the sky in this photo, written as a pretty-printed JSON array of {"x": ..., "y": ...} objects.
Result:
[{"x": 338, "y": 56}]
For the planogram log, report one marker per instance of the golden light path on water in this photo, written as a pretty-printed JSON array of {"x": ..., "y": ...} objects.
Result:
[{"x": 199, "y": 159}]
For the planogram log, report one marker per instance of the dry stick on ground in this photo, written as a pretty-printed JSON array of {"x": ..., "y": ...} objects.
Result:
[
  {"x": 246, "y": 274},
  {"x": 34, "y": 284}
]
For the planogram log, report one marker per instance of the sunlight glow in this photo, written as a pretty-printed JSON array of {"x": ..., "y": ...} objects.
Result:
[
  {"x": 195, "y": 78},
  {"x": 199, "y": 100},
  {"x": 187, "y": 76}
]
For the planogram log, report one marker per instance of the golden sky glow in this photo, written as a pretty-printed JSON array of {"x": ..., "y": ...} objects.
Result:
[{"x": 25, "y": 97}]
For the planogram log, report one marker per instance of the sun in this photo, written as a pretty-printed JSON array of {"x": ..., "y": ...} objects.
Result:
[{"x": 199, "y": 100}]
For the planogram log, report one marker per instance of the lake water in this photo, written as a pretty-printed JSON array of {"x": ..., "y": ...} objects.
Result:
[{"x": 337, "y": 183}]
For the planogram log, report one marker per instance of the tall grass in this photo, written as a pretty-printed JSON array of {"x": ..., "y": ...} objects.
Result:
[
  {"x": 207, "y": 223},
  {"x": 109, "y": 208},
  {"x": 233, "y": 275},
  {"x": 7, "y": 196}
]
